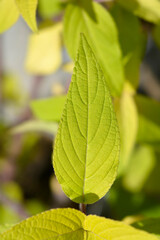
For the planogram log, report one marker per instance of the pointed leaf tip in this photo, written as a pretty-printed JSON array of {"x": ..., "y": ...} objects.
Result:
[
  {"x": 86, "y": 149},
  {"x": 78, "y": 18},
  {"x": 28, "y": 11}
]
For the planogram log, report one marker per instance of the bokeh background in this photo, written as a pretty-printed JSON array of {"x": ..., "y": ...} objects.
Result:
[{"x": 27, "y": 181}]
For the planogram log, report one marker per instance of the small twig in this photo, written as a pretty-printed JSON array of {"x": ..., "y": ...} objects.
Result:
[{"x": 82, "y": 207}]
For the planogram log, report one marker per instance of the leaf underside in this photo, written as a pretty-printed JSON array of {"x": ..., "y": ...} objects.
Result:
[
  {"x": 87, "y": 144},
  {"x": 70, "y": 224}
]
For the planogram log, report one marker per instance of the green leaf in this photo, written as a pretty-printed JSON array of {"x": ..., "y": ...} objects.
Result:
[
  {"x": 35, "y": 126},
  {"x": 44, "y": 51},
  {"x": 149, "y": 225},
  {"x": 99, "y": 228},
  {"x": 124, "y": 203},
  {"x": 152, "y": 185},
  {"x": 140, "y": 166},
  {"x": 49, "y": 8},
  {"x": 90, "y": 18},
  {"x": 8, "y": 14},
  {"x": 12, "y": 89},
  {"x": 153, "y": 211},
  {"x": 13, "y": 193},
  {"x": 87, "y": 143},
  {"x": 49, "y": 109},
  {"x": 149, "y": 120},
  {"x": 127, "y": 116},
  {"x": 132, "y": 42},
  {"x": 146, "y": 9},
  {"x": 27, "y": 9},
  {"x": 71, "y": 224}
]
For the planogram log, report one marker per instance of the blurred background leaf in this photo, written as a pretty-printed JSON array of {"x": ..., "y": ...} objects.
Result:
[
  {"x": 127, "y": 116},
  {"x": 139, "y": 168},
  {"x": 50, "y": 8},
  {"x": 132, "y": 41},
  {"x": 44, "y": 51},
  {"x": 146, "y": 9},
  {"x": 49, "y": 109},
  {"x": 36, "y": 126},
  {"x": 149, "y": 120},
  {"x": 8, "y": 14},
  {"x": 32, "y": 99},
  {"x": 150, "y": 226},
  {"x": 90, "y": 18}
]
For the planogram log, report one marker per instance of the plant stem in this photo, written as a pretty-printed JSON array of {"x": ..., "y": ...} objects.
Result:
[{"x": 82, "y": 207}]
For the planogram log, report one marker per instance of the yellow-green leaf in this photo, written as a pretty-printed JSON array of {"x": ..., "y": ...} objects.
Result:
[
  {"x": 151, "y": 225},
  {"x": 140, "y": 166},
  {"x": 128, "y": 123},
  {"x": 98, "y": 228},
  {"x": 87, "y": 144},
  {"x": 49, "y": 109},
  {"x": 152, "y": 185},
  {"x": 132, "y": 41},
  {"x": 70, "y": 224},
  {"x": 12, "y": 89},
  {"x": 99, "y": 28},
  {"x": 5, "y": 227},
  {"x": 8, "y": 14},
  {"x": 49, "y": 8},
  {"x": 27, "y": 9},
  {"x": 35, "y": 126},
  {"x": 149, "y": 120},
  {"x": 146, "y": 9},
  {"x": 44, "y": 51}
]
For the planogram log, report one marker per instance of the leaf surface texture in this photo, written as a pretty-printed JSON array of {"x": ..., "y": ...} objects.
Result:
[
  {"x": 64, "y": 224},
  {"x": 87, "y": 144}
]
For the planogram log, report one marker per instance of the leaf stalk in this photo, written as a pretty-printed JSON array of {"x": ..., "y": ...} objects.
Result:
[{"x": 82, "y": 207}]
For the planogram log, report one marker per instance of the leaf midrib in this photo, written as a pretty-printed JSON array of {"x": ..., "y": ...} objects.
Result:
[{"x": 87, "y": 129}]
